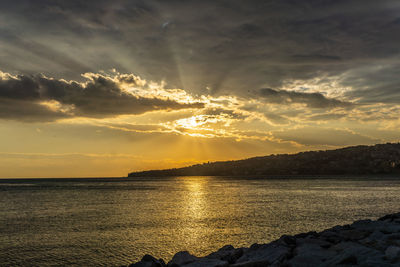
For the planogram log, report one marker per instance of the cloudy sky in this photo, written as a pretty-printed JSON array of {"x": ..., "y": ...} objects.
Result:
[{"x": 102, "y": 88}]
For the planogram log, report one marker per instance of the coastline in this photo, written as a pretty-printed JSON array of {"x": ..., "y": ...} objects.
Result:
[{"x": 362, "y": 243}]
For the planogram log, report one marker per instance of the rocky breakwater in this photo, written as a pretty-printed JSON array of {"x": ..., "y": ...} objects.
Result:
[{"x": 362, "y": 243}]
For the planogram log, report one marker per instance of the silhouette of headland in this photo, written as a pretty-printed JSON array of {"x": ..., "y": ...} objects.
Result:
[{"x": 354, "y": 160}]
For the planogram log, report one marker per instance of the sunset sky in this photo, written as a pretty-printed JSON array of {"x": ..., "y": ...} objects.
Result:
[{"x": 102, "y": 88}]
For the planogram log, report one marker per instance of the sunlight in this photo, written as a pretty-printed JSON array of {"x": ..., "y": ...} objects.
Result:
[
  {"x": 196, "y": 203},
  {"x": 192, "y": 122}
]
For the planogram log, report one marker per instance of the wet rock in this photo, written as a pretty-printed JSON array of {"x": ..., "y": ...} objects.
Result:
[
  {"x": 288, "y": 240},
  {"x": 331, "y": 236},
  {"x": 310, "y": 254},
  {"x": 203, "y": 262},
  {"x": 227, "y": 253},
  {"x": 390, "y": 217},
  {"x": 392, "y": 253},
  {"x": 265, "y": 254},
  {"x": 182, "y": 258},
  {"x": 304, "y": 235},
  {"x": 321, "y": 242},
  {"x": 149, "y": 261},
  {"x": 354, "y": 235},
  {"x": 361, "y": 223},
  {"x": 351, "y": 253}
]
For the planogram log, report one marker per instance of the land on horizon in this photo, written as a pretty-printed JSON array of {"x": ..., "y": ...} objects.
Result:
[{"x": 353, "y": 160}]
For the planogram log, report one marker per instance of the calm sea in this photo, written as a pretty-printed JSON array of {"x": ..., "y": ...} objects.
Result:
[{"x": 113, "y": 222}]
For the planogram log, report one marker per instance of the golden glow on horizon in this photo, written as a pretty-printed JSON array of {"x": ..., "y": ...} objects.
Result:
[{"x": 222, "y": 128}]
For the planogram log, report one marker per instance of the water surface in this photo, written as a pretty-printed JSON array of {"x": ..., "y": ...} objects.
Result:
[{"x": 111, "y": 222}]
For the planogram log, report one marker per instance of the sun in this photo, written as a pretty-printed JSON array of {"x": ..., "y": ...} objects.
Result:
[{"x": 194, "y": 122}]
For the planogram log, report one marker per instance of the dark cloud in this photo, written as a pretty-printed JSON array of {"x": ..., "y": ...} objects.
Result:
[
  {"x": 315, "y": 58},
  {"x": 312, "y": 100},
  {"x": 39, "y": 98},
  {"x": 324, "y": 136},
  {"x": 234, "y": 114},
  {"x": 326, "y": 117},
  {"x": 375, "y": 83},
  {"x": 28, "y": 111},
  {"x": 227, "y": 46}
]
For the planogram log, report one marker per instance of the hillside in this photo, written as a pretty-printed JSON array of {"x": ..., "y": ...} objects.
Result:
[{"x": 377, "y": 159}]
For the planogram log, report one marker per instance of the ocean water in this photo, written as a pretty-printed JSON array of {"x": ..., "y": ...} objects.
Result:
[{"x": 113, "y": 222}]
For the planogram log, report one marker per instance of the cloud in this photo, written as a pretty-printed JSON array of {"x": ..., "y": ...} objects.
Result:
[
  {"x": 318, "y": 136},
  {"x": 39, "y": 98},
  {"x": 312, "y": 100},
  {"x": 374, "y": 83},
  {"x": 228, "y": 46}
]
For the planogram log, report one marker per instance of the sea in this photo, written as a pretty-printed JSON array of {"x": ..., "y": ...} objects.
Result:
[{"x": 115, "y": 221}]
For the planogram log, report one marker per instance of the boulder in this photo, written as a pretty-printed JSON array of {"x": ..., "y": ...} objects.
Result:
[
  {"x": 206, "y": 262},
  {"x": 182, "y": 258},
  {"x": 351, "y": 253},
  {"x": 390, "y": 217},
  {"x": 149, "y": 261},
  {"x": 392, "y": 253},
  {"x": 354, "y": 235},
  {"x": 227, "y": 253},
  {"x": 264, "y": 254}
]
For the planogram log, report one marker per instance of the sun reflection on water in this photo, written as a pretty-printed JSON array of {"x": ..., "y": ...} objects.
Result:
[
  {"x": 196, "y": 204},
  {"x": 195, "y": 207}
]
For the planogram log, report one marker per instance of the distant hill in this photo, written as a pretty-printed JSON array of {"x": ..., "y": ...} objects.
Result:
[{"x": 377, "y": 159}]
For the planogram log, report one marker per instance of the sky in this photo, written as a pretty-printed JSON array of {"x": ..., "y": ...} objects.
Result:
[{"x": 103, "y": 88}]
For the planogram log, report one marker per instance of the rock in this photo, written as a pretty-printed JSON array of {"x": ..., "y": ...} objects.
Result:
[
  {"x": 354, "y": 235},
  {"x": 351, "y": 253},
  {"x": 182, "y": 258},
  {"x": 392, "y": 253},
  {"x": 361, "y": 223},
  {"x": 264, "y": 254},
  {"x": 331, "y": 236},
  {"x": 304, "y": 235},
  {"x": 390, "y": 217},
  {"x": 321, "y": 242},
  {"x": 310, "y": 254},
  {"x": 252, "y": 264},
  {"x": 149, "y": 261},
  {"x": 288, "y": 240},
  {"x": 203, "y": 262},
  {"x": 363, "y": 243},
  {"x": 227, "y": 253}
]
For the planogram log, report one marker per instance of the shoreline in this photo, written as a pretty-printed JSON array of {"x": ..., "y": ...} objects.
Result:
[{"x": 362, "y": 243}]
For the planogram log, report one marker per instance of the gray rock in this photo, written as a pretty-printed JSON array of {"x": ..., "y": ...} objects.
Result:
[
  {"x": 182, "y": 258},
  {"x": 361, "y": 223},
  {"x": 265, "y": 254},
  {"x": 390, "y": 217},
  {"x": 252, "y": 263},
  {"x": 321, "y": 242},
  {"x": 205, "y": 262},
  {"x": 149, "y": 261},
  {"x": 310, "y": 254},
  {"x": 287, "y": 240},
  {"x": 376, "y": 235},
  {"x": 227, "y": 253},
  {"x": 351, "y": 253},
  {"x": 331, "y": 236},
  {"x": 314, "y": 250},
  {"x": 309, "y": 234},
  {"x": 354, "y": 235},
  {"x": 392, "y": 253}
]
